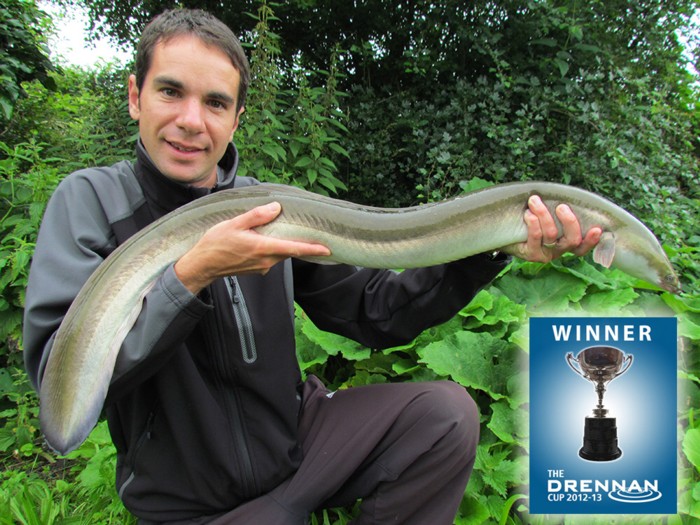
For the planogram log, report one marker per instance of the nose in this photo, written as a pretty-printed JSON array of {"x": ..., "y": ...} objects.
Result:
[{"x": 191, "y": 118}]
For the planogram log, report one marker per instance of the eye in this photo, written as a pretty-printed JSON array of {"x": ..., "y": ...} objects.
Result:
[
  {"x": 218, "y": 104},
  {"x": 169, "y": 92}
]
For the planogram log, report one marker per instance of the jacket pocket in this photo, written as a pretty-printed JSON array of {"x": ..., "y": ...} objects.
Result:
[{"x": 132, "y": 455}]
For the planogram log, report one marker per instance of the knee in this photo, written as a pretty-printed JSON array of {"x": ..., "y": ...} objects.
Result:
[
  {"x": 455, "y": 402},
  {"x": 455, "y": 410}
]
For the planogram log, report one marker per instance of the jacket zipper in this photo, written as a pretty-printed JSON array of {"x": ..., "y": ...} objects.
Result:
[
  {"x": 131, "y": 459},
  {"x": 245, "y": 325},
  {"x": 234, "y": 408},
  {"x": 241, "y": 444}
]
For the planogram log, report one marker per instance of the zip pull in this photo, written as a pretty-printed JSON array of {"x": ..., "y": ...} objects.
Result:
[
  {"x": 233, "y": 283},
  {"x": 243, "y": 321}
]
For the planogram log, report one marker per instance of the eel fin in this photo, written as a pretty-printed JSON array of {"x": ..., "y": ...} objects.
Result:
[{"x": 604, "y": 252}]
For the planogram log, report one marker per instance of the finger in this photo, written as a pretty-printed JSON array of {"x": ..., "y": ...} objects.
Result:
[
  {"x": 571, "y": 237},
  {"x": 532, "y": 249},
  {"x": 589, "y": 241},
  {"x": 550, "y": 232},
  {"x": 285, "y": 248}
]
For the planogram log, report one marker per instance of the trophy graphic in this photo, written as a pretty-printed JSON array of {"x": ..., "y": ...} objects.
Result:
[{"x": 600, "y": 364}]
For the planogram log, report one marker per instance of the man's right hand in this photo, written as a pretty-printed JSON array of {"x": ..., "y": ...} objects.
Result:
[{"x": 233, "y": 247}]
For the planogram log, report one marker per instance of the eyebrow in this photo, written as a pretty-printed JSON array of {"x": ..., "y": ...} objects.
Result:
[{"x": 215, "y": 95}]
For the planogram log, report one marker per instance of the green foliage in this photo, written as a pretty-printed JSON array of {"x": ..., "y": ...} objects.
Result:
[
  {"x": 26, "y": 181},
  {"x": 23, "y": 52},
  {"x": 84, "y": 122},
  {"x": 20, "y": 413},
  {"x": 290, "y": 133},
  {"x": 430, "y": 43},
  {"x": 78, "y": 489}
]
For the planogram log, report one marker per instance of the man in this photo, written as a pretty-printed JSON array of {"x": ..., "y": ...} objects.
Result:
[{"x": 206, "y": 407}]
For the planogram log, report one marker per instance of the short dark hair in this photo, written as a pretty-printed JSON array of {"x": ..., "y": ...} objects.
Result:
[{"x": 196, "y": 22}]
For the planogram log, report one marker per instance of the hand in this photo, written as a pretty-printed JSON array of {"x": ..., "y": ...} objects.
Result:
[
  {"x": 233, "y": 247},
  {"x": 543, "y": 243}
]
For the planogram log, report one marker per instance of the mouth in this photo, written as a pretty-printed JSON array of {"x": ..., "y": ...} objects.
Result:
[{"x": 184, "y": 148}]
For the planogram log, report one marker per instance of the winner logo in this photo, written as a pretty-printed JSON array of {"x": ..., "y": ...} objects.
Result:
[
  {"x": 576, "y": 463},
  {"x": 592, "y": 490}
]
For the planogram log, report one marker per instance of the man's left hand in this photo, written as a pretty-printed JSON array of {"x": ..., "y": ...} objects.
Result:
[{"x": 543, "y": 242}]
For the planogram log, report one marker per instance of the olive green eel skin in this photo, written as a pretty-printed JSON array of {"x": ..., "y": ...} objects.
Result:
[{"x": 80, "y": 366}]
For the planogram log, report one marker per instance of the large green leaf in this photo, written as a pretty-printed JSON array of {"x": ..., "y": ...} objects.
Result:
[
  {"x": 550, "y": 293},
  {"x": 499, "y": 471},
  {"x": 509, "y": 425},
  {"x": 691, "y": 446},
  {"x": 580, "y": 267},
  {"x": 334, "y": 343},
  {"x": 491, "y": 307},
  {"x": 472, "y": 511},
  {"x": 608, "y": 302},
  {"x": 476, "y": 360}
]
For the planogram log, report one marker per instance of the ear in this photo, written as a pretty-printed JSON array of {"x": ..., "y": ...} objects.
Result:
[
  {"x": 236, "y": 122},
  {"x": 134, "y": 106}
]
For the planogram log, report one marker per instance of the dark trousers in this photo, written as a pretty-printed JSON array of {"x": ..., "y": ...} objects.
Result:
[{"x": 406, "y": 449}]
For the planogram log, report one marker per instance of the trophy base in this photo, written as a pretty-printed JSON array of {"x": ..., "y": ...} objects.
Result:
[{"x": 600, "y": 439}]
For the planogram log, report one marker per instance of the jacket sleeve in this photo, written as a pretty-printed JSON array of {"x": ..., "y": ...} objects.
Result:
[
  {"x": 382, "y": 308},
  {"x": 74, "y": 238}
]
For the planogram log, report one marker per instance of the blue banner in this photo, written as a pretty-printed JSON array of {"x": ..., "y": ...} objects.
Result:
[{"x": 617, "y": 456}]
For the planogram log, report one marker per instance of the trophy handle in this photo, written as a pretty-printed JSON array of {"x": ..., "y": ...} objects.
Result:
[
  {"x": 627, "y": 363},
  {"x": 569, "y": 358}
]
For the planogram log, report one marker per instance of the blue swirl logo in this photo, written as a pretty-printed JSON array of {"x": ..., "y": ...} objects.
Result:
[{"x": 635, "y": 496}]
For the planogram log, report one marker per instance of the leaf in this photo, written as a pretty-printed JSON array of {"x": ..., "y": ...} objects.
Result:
[
  {"x": 521, "y": 337},
  {"x": 404, "y": 366},
  {"x": 377, "y": 363},
  {"x": 362, "y": 378},
  {"x": 497, "y": 471},
  {"x": 682, "y": 303},
  {"x": 7, "y": 439},
  {"x": 334, "y": 343},
  {"x": 518, "y": 388},
  {"x": 563, "y": 66},
  {"x": 472, "y": 511},
  {"x": 476, "y": 360},
  {"x": 478, "y": 306},
  {"x": 691, "y": 446},
  {"x": 310, "y": 354},
  {"x": 548, "y": 42},
  {"x": 95, "y": 474},
  {"x": 588, "y": 47},
  {"x": 510, "y": 426},
  {"x": 604, "y": 302},
  {"x": 500, "y": 310},
  {"x": 339, "y": 149},
  {"x": 311, "y": 175},
  {"x": 576, "y": 32},
  {"x": 587, "y": 272},
  {"x": 303, "y": 162},
  {"x": 271, "y": 150},
  {"x": 543, "y": 295},
  {"x": 688, "y": 327}
]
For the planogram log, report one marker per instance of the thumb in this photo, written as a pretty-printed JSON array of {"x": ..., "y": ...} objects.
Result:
[{"x": 259, "y": 215}]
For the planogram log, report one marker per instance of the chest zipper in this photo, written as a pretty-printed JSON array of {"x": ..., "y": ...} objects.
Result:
[
  {"x": 234, "y": 409},
  {"x": 242, "y": 317}
]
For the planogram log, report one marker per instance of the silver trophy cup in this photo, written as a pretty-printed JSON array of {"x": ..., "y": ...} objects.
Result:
[{"x": 600, "y": 365}]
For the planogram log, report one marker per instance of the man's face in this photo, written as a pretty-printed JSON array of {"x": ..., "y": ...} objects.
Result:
[{"x": 187, "y": 109}]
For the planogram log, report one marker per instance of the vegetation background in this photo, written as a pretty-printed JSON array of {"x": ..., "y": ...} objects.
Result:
[{"x": 389, "y": 102}]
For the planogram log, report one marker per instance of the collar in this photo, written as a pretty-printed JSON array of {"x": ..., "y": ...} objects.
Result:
[{"x": 166, "y": 194}]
